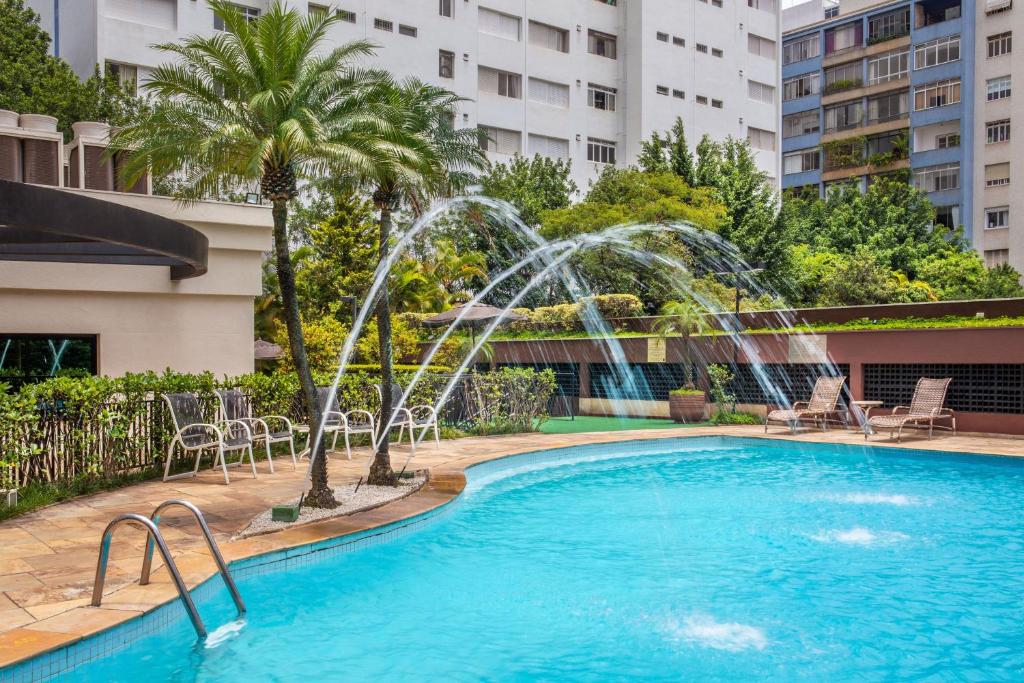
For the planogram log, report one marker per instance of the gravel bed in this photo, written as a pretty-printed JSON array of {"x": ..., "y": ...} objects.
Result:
[{"x": 350, "y": 501}]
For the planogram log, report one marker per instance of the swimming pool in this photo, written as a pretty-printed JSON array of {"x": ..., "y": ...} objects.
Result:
[{"x": 705, "y": 558}]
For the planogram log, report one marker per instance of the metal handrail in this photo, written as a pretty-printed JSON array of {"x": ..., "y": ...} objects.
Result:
[
  {"x": 147, "y": 562},
  {"x": 154, "y": 535}
]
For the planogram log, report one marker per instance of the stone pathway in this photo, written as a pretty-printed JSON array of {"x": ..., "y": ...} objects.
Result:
[{"x": 48, "y": 557}]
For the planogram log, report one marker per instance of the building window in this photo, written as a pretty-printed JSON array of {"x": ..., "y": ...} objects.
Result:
[
  {"x": 761, "y": 139},
  {"x": 316, "y": 10},
  {"x": 717, "y": 104},
  {"x": 600, "y": 151},
  {"x": 549, "y": 37},
  {"x": 937, "y": 178},
  {"x": 407, "y": 30},
  {"x": 548, "y": 92},
  {"x": 761, "y": 92},
  {"x": 701, "y": 99},
  {"x": 445, "y": 64},
  {"x": 383, "y": 25},
  {"x": 36, "y": 357},
  {"x": 930, "y": 13},
  {"x": 1000, "y": 44},
  {"x": 702, "y": 48},
  {"x": 601, "y": 44},
  {"x": 997, "y": 88},
  {"x": 888, "y": 26},
  {"x": 501, "y": 140},
  {"x": 502, "y": 83},
  {"x": 661, "y": 90},
  {"x": 663, "y": 37},
  {"x": 765, "y": 5},
  {"x": 800, "y": 161},
  {"x": 938, "y": 51},
  {"x": 947, "y": 140},
  {"x": 830, "y": 8},
  {"x": 126, "y": 75},
  {"x": 444, "y": 7},
  {"x": 937, "y": 94},
  {"x": 844, "y": 37},
  {"x": 843, "y": 77},
  {"x": 997, "y": 6},
  {"x": 844, "y": 116},
  {"x": 250, "y": 14},
  {"x": 498, "y": 24},
  {"x": 678, "y": 94},
  {"x": 997, "y": 131},
  {"x": 888, "y": 107},
  {"x": 997, "y": 175},
  {"x": 997, "y": 217},
  {"x": 801, "y": 86},
  {"x": 600, "y": 97},
  {"x": 889, "y": 66},
  {"x": 800, "y": 124},
  {"x": 554, "y": 148},
  {"x": 801, "y": 49},
  {"x": 948, "y": 216},
  {"x": 762, "y": 47},
  {"x": 716, "y": 3},
  {"x": 996, "y": 257},
  {"x": 678, "y": 42},
  {"x": 346, "y": 15},
  {"x": 715, "y": 52}
]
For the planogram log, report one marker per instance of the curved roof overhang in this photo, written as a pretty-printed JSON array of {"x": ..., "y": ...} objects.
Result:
[{"x": 47, "y": 224}]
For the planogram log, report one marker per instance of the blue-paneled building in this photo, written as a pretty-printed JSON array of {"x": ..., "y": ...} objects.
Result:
[{"x": 885, "y": 90}]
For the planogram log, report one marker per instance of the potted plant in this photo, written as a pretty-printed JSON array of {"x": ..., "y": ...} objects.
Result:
[
  {"x": 684, "y": 318},
  {"x": 687, "y": 404}
]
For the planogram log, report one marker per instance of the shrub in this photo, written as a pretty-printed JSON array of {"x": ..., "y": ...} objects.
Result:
[
  {"x": 684, "y": 391},
  {"x": 561, "y": 318},
  {"x": 617, "y": 305},
  {"x": 722, "y": 417}
]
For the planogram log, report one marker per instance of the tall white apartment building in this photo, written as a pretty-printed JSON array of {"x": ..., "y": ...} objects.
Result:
[{"x": 585, "y": 80}]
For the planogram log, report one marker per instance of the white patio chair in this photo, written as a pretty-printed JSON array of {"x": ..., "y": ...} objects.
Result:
[
  {"x": 422, "y": 417},
  {"x": 345, "y": 423},
  {"x": 236, "y": 406},
  {"x": 193, "y": 434}
]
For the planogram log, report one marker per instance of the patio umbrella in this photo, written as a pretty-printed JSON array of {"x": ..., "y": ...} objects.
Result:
[
  {"x": 477, "y": 315},
  {"x": 264, "y": 350}
]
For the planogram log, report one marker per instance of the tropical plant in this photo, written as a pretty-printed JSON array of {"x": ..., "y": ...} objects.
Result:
[
  {"x": 435, "y": 160},
  {"x": 264, "y": 101},
  {"x": 685, "y": 319},
  {"x": 455, "y": 273}
]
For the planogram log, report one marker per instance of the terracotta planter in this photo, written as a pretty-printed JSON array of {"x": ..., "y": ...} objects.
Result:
[{"x": 687, "y": 408}]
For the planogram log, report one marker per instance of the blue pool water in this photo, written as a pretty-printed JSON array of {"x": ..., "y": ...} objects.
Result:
[{"x": 697, "y": 559}]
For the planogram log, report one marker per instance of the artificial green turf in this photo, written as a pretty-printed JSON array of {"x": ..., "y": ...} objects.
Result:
[{"x": 588, "y": 423}]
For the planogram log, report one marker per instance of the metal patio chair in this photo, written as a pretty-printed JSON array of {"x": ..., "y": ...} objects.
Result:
[
  {"x": 195, "y": 434},
  {"x": 823, "y": 402},
  {"x": 345, "y": 423},
  {"x": 422, "y": 417},
  {"x": 236, "y": 406}
]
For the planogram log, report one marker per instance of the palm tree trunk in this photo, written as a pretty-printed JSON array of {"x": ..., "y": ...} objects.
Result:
[
  {"x": 381, "y": 473},
  {"x": 320, "y": 494}
]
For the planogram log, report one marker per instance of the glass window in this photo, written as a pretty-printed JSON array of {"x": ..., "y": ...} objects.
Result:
[
  {"x": 888, "y": 66},
  {"x": 554, "y": 148},
  {"x": 801, "y": 160},
  {"x": 663, "y": 37},
  {"x": 801, "y": 86},
  {"x": 1000, "y": 44},
  {"x": 843, "y": 77},
  {"x": 892, "y": 143},
  {"x": 444, "y": 7},
  {"x": 600, "y": 97},
  {"x": 601, "y": 44},
  {"x": 763, "y": 47},
  {"x": 997, "y": 131},
  {"x": 800, "y": 124},
  {"x": 998, "y": 88},
  {"x": 346, "y": 15},
  {"x": 549, "y": 92},
  {"x": 715, "y": 52},
  {"x": 997, "y": 217},
  {"x": 250, "y": 14},
  {"x": 410, "y": 31},
  {"x": 761, "y": 92},
  {"x": 498, "y": 24},
  {"x": 997, "y": 175},
  {"x": 702, "y": 99},
  {"x": 445, "y": 64},
  {"x": 887, "y": 26},
  {"x": 843, "y": 116},
  {"x": 383, "y": 25},
  {"x": 938, "y": 51},
  {"x": 996, "y": 257},
  {"x": 937, "y": 178},
  {"x": 26, "y": 358},
  {"x": 600, "y": 151},
  {"x": 661, "y": 90},
  {"x": 947, "y": 140},
  {"x": 843, "y": 37},
  {"x": 761, "y": 139},
  {"x": 126, "y": 75},
  {"x": 501, "y": 140},
  {"x": 717, "y": 104},
  {"x": 550, "y": 37},
  {"x": 502, "y": 83},
  {"x": 949, "y": 216},
  {"x": 801, "y": 49},
  {"x": 888, "y": 107},
  {"x": 937, "y": 94}
]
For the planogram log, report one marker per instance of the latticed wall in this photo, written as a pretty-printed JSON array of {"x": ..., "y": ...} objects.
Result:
[
  {"x": 650, "y": 381},
  {"x": 794, "y": 381},
  {"x": 567, "y": 375},
  {"x": 982, "y": 388}
]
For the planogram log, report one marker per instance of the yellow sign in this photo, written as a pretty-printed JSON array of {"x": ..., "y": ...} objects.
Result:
[{"x": 656, "y": 350}]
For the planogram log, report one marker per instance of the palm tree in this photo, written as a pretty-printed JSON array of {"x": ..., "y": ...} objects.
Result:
[
  {"x": 455, "y": 273},
  {"x": 263, "y": 101},
  {"x": 437, "y": 160},
  {"x": 683, "y": 318}
]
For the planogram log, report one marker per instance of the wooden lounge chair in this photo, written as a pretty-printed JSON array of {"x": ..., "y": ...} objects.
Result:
[
  {"x": 823, "y": 402},
  {"x": 927, "y": 406}
]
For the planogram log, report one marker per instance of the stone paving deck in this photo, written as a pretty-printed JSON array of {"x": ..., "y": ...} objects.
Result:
[{"x": 48, "y": 557}]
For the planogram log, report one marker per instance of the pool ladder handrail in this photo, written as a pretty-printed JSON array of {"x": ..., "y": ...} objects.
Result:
[{"x": 155, "y": 538}]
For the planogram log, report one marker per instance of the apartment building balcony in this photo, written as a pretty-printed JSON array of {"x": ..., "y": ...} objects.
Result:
[
  {"x": 862, "y": 51},
  {"x": 872, "y": 128},
  {"x": 862, "y": 90},
  {"x": 863, "y": 170}
]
